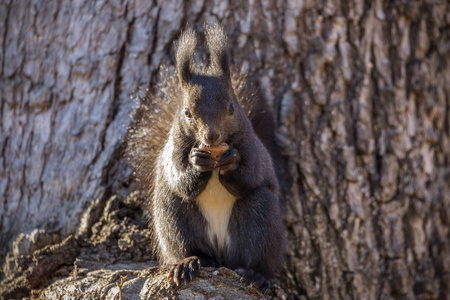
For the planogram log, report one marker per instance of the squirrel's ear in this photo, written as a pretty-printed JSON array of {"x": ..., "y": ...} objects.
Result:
[
  {"x": 217, "y": 43},
  {"x": 185, "y": 55}
]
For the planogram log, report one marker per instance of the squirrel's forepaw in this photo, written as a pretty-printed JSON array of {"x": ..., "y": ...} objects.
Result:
[
  {"x": 185, "y": 269},
  {"x": 255, "y": 280},
  {"x": 228, "y": 161},
  {"x": 201, "y": 160}
]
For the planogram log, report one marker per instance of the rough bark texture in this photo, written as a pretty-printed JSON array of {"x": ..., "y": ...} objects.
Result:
[
  {"x": 361, "y": 93},
  {"x": 150, "y": 284}
]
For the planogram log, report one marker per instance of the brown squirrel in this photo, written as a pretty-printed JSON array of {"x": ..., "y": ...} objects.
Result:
[{"x": 207, "y": 210}]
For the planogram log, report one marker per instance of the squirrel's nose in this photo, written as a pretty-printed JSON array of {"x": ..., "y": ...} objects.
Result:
[{"x": 212, "y": 137}]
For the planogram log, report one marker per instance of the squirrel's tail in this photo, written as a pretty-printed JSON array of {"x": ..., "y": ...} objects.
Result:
[
  {"x": 149, "y": 131},
  {"x": 256, "y": 108}
]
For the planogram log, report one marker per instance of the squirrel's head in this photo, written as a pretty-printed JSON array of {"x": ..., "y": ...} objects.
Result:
[{"x": 209, "y": 108}]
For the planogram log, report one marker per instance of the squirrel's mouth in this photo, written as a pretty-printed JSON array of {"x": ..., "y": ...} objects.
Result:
[{"x": 203, "y": 146}]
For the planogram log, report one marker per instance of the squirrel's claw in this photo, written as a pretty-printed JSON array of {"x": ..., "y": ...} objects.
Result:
[{"x": 184, "y": 270}]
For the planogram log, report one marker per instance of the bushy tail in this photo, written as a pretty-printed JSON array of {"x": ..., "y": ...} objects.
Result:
[
  {"x": 256, "y": 108},
  {"x": 150, "y": 129}
]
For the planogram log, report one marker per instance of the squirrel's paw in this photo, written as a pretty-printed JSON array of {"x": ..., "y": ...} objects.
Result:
[
  {"x": 185, "y": 269},
  {"x": 254, "y": 279},
  {"x": 201, "y": 160},
  {"x": 229, "y": 161}
]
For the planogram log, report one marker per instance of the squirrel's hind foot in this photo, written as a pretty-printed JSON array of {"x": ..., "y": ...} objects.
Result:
[{"x": 255, "y": 280}]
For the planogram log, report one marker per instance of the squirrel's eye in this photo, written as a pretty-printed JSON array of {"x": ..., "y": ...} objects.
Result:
[
  {"x": 231, "y": 109},
  {"x": 187, "y": 113}
]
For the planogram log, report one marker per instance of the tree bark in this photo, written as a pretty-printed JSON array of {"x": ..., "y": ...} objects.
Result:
[{"x": 361, "y": 95}]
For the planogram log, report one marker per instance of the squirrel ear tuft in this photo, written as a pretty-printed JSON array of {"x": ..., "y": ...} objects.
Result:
[
  {"x": 217, "y": 43},
  {"x": 185, "y": 55}
]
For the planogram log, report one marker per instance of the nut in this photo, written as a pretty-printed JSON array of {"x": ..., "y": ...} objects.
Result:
[{"x": 217, "y": 150}]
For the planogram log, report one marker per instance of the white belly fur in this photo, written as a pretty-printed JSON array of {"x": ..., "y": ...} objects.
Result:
[{"x": 216, "y": 204}]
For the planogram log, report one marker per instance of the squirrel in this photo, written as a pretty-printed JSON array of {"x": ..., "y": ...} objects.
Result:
[{"x": 206, "y": 210}]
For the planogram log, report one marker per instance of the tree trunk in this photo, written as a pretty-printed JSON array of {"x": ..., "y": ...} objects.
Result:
[{"x": 361, "y": 95}]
